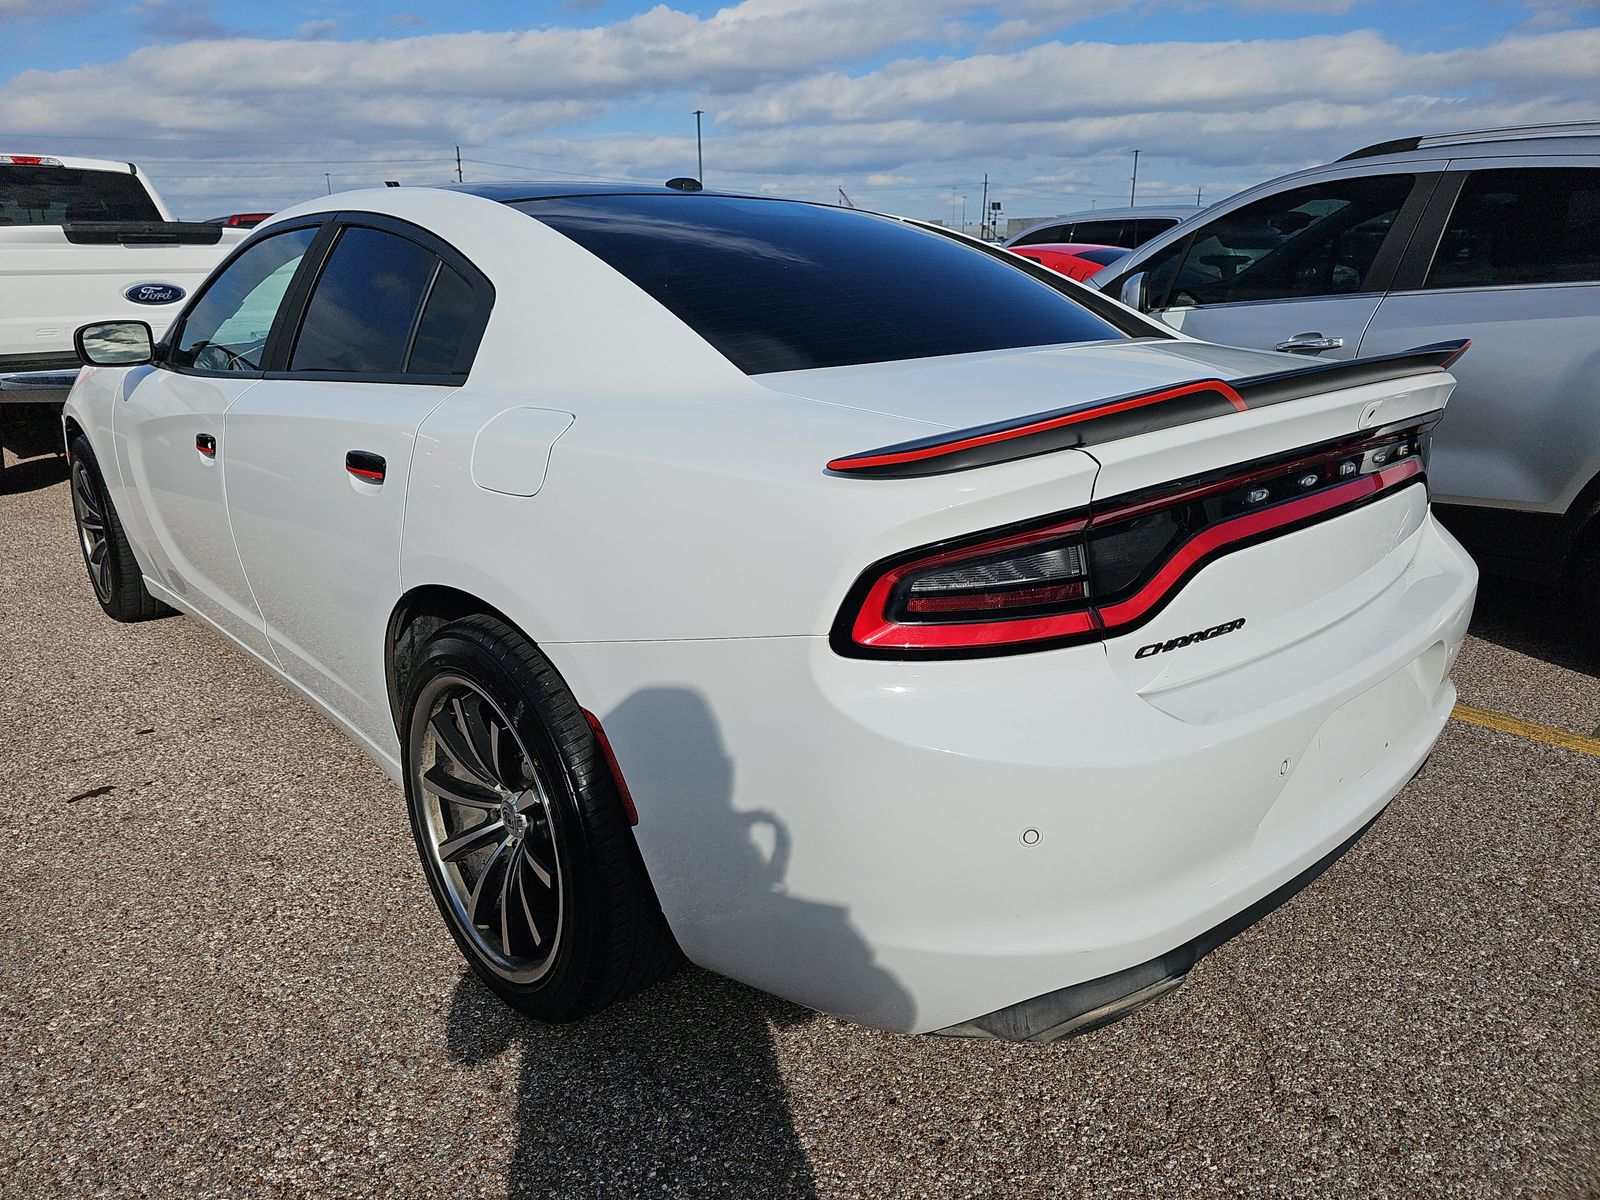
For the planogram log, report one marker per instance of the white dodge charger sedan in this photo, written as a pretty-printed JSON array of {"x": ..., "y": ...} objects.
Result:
[{"x": 877, "y": 618}]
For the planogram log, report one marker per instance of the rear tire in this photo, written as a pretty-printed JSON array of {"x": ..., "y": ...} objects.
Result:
[
  {"x": 113, "y": 571},
  {"x": 520, "y": 829}
]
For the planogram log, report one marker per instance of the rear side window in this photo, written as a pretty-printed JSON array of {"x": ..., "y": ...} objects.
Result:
[
  {"x": 1521, "y": 226},
  {"x": 57, "y": 195},
  {"x": 1103, "y": 233},
  {"x": 365, "y": 305},
  {"x": 446, "y": 318},
  {"x": 1040, "y": 237},
  {"x": 781, "y": 286},
  {"x": 1313, "y": 241},
  {"x": 1148, "y": 227}
]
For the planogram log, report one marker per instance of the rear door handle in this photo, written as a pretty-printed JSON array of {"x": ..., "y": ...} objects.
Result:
[
  {"x": 364, "y": 464},
  {"x": 206, "y": 445},
  {"x": 1309, "y": 343}
]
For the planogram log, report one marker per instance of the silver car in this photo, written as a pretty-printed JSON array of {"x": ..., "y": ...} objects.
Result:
[
  {"x": 1493, "y": 236},
  {"x": 1106, "y": 226}
]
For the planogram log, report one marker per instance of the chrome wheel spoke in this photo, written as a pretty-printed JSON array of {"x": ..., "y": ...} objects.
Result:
[
  {"x": 478, "y": 888},
  {"x": 459, "y": 791},
  {"x": 537, "y": 867},
  {"x": 505, "y": 907},
  {"x": 479, "y": 737},
  {"x": 469, "y": 840},
  {"x": 455, "y": 746},
  {"x": 527, "y": 910}
]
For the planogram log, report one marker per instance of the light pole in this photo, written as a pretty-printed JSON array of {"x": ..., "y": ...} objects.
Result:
[
  {"x": 328, "y": 179},
  {"x": 1133, "y": 189},
  {"x": 699, "y": 150},
  {"x": 963, "y": 214}
]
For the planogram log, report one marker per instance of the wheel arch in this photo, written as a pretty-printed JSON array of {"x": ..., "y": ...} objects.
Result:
[{"x": 417, "y": 616}]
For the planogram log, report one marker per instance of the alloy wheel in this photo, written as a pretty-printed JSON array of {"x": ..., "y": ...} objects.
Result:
[
  {"x": 490, "y": 826},
  {"x": 88, "y": 510}
]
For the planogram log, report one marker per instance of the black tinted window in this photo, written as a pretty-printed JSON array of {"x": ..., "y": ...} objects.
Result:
[
  {"x": 1539, "y": 225},
  {"x": 1105, "y": 256},
  {"x": 228, "y": 326},
  {"x": 1040, "y": 237},
  {"x": 364, "y": 305},
  {"x": 1148, "y": 227},
  {"x": 55, "y": 195},
  {"x": 1312, "y": 241},
  {"x": 780, "y": 286},
  {"x": 445, "y": 320},
  {"x": 1103, "y": 233}
]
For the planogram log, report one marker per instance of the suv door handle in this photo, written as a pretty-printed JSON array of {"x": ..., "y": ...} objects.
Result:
[
  {"x": 364, "y": 464},
  {"x": 206, "y": 445},
  {"x": 1309, "y": 343}
]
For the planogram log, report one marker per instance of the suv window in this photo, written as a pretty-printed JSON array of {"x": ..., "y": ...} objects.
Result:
[
  {"x": 1103, "y": 233},
  {"x": 1311, "y": 241},
  {"x": 777, "y": 285},
  {"x": 365, "y": 304},
  {"x": 227, "y": 328},
  {"x": 32, "y": 195},
  {"x": 1521, "y": 226},
  {"x": 1040, "y": 237}
]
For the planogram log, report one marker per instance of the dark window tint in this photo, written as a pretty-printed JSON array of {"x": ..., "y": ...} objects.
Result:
[
  {"x": 1538, "y": 225},
  {"x": 1040, "y": 237},
  {"x": 228, "y": 326},
  {"x": 1103, "y": 233},
  {"x": 445, "y": 320},
  {"x": 1148, "y": 227},
  {"x": 55, "y": 195},
  {"x": 1312, "y": 241},
  {"x": 781, "y": 286},
  {"x": 364, "y": 305}
]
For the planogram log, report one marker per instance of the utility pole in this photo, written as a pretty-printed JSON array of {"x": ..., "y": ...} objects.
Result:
[
  {"x": 328, "y": 179},
  {"x": 1197, "y": 192},
  {"x": 458, "y": 164},
  {"x": 699, "y": 149},
  {"x": 983, "y": 216},
  {"x": 963, "y": 214},
  {"x": 1133, "y": 190}
]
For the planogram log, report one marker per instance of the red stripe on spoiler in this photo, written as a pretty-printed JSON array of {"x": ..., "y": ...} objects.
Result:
[{"x": 860, "y": 462}]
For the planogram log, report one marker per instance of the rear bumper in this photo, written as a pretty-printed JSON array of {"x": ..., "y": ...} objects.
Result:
[{"x": 917, "y": 845}]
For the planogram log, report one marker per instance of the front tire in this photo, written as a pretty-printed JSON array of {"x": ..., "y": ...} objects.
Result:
[
  {"x": 113, "y": 571},
  {"x": 520, "y": 829}
]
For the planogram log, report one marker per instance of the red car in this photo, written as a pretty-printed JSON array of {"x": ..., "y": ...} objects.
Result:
[{"x": 1075, "y": 260}]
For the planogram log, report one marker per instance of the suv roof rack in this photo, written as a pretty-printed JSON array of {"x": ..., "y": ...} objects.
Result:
[{"x": 1401, "y": 145}]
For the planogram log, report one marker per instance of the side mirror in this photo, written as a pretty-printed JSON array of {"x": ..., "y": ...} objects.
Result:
[
  {"x": 1133, "y": 290},
  {"x": 114, "y": 344}
]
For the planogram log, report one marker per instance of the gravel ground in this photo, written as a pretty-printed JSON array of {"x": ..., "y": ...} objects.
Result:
[{"x": 221, "y": 974}]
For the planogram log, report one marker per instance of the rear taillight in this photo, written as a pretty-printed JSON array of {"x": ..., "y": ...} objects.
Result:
[{"x": 1081, "y": 576}]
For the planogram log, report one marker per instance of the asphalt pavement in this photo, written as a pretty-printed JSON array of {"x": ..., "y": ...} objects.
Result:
[{"x": 221, "y": 974}]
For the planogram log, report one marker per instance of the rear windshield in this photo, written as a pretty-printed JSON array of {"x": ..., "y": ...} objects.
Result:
[
  {"x": 780, "y": 286},
  {"x": 55, "y": 195}
]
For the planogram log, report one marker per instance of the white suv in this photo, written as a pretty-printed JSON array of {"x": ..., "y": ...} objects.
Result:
[{"x": 1492, "y": 236}]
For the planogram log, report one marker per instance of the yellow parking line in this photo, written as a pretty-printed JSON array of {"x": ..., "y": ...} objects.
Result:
[{"x": 1547, "y": 734}]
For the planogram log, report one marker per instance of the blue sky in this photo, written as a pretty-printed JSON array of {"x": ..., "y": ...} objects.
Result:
[{"x": 904, "y": 104}]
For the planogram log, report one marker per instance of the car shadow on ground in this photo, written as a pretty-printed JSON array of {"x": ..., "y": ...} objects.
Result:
[
  {"x": 33, "y": 474},
  {"x": 1541, "y": 622},
  {"x": 673, "y": 1093},
  {"x": 677, "y": 1092}
]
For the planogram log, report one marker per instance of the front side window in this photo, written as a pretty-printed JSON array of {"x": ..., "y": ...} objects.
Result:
[
  {"x": 1044, "y": 236},
  {"x": 1313, "y": 241},
  {"x": 1521, "y": 226},
  {"x": 776, "y": 285},
  {"x": 364, "y": 307},
  {"x": 227, "y": 328}
]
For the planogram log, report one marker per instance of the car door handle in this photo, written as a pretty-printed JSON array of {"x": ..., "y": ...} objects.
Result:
[
  {"x": 1309, "y": 343},
  {"x": 364, "y": 464},
  {"x": 206, "y": 445}
]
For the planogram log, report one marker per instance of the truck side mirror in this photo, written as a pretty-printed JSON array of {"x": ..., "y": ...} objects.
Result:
[{"x": 114, "y": 344}]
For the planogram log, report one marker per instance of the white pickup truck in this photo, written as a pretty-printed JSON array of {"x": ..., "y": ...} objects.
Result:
[{"x": 84, "y": 240}]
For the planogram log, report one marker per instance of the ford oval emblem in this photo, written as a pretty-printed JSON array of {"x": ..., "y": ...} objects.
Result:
[{"x": 154, "y": 293}]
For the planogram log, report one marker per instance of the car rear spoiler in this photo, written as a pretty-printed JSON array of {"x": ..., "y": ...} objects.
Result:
[
  {"x": 142, "y": 233},
  {"x": 1124, "y": 416}
]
